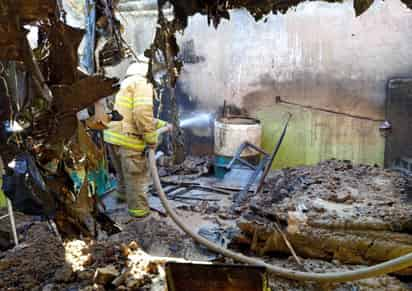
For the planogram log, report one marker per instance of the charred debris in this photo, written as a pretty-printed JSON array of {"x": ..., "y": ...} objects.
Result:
[
  {"x": 43, "y": 89},
  {"x": 335, "y": 215},
  {"x": 42, "y": 92}
]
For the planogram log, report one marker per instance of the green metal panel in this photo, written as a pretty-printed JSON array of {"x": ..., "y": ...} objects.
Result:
[{"x": 314, "y": 136}]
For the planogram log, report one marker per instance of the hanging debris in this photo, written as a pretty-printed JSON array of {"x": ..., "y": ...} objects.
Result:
[{"x": 52, "y": 157}]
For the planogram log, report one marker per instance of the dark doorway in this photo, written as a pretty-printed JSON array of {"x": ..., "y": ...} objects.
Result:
[{"x": 398, "y": 148}]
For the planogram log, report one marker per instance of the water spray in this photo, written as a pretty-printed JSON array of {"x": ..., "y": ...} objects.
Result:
[{"x": 199, "y": 119}]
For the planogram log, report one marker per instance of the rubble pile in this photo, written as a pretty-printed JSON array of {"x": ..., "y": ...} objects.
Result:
[
  {"x": 120, "y": 263},
  {"x": 34, "y": 262},
  {"x": 336, "y": 210},
  {"x": 317, "y": 214},
  {"x": 320, "y": 266},
  {"x": 109, "y": 265},
  {"x": 45, "y": 263},
  {"x": 191, "y": 166}
]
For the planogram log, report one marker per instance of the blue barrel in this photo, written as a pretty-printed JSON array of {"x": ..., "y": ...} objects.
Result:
[{"x": 219, "y": 165}]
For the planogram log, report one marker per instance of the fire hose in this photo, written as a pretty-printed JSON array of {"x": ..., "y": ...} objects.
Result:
[{"x": 389, "y": 266}]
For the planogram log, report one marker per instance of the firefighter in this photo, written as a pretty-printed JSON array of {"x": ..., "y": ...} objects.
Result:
[{"x": 130, "y": 136}]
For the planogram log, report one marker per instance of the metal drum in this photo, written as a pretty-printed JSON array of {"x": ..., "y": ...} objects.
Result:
[{"x": 231, "y": 132}]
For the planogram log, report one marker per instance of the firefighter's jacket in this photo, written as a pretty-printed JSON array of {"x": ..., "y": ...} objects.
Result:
[{"x": 134, "y": 102}]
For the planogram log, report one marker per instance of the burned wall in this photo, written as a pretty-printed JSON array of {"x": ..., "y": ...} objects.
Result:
[{"x": 318, "y": 54}]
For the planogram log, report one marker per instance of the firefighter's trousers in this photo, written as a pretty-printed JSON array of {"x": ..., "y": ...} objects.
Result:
[{"x": 133, "y": 179}]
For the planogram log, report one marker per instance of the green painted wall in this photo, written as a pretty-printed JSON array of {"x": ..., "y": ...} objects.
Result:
[
  {"x": 314, "y": 136},
  {"x": 3, "y": 201}
]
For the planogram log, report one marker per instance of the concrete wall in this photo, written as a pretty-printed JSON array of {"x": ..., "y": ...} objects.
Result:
[{"x": 318, "y": 54}]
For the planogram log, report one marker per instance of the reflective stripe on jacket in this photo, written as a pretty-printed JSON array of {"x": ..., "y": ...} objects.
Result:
[
  {"x": 134, "y": 102},
  {"x": 123, "y": 140}
]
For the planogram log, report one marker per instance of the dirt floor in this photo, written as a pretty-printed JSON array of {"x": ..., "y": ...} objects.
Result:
[{"x": 333, "y": 196}]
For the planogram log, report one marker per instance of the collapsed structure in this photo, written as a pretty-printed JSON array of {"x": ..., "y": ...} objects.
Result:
[
  {"x": 42, "y": 92},
  {"x": 56, "y": 164}
]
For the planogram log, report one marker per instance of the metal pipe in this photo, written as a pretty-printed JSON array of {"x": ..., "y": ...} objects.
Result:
[
  {"x": 12, "y": 222},
  {"x": 390, "y": 266}
]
